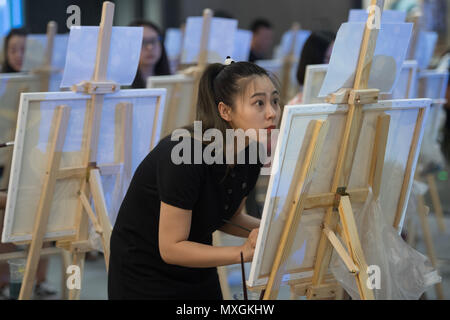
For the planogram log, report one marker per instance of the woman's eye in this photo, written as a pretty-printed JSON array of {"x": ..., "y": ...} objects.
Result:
[
  {"x": 259, "y": 103},
  {"x": 276, "y": 101}
]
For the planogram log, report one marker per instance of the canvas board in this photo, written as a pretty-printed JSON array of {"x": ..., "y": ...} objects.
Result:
[
  {"x": 123, "y": 60},
  {"x": 30, "y": 158},
  {"x": 426, "y": 44},
  {"x": 35, "y": 47},
  {"x": 293, "y": 133},
  {"x": 180, "y": 91},
  {"x": 286, "y": 42},
  {"x": 432, "y": 84},
  {"x": 173, "y": 42},
  {"x": 314, "y": 76},
  {"x": 220, "y": 41},
  {"x": 361, "y": 15},
  {"x": 390, "y": 52},
  {"x": 405, "y": 87},
  {"x": 242, "y": 43}
]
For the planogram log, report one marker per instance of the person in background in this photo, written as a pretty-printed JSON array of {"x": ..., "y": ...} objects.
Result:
[
  {"x": 262, "y": 40},
  {"x": 14, "y": 50},
  {"x": 317, "y": 50},
  {"x": 153, "y": 60}
]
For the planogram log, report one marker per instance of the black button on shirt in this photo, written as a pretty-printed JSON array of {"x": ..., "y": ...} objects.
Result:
[{"x": 136, "y": 269}]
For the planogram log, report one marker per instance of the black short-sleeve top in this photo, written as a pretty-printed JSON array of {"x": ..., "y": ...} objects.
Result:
[{"x": 212, "y": 191}]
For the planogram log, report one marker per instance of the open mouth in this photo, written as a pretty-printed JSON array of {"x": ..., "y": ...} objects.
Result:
[{"x": 269, "y": 129}]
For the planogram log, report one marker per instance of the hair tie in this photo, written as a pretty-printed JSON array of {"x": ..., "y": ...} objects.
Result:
[{"x": 228, "y": 61}]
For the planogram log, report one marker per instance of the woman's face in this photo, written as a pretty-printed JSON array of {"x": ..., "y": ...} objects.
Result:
[
  {"x": 15, "y": 52},
  {"x": 151, "y": 48},
  {"x": 257, "y": 108}
]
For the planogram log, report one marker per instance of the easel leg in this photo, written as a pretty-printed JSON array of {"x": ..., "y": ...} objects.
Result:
[
  {"x": 436, "y": 202},
  {"x": 77, "y": 260},
  {"x": 60, "y": 122},
  {"x": 65, "y": 262},
  {"x": 355, "y": 248},
  {"x": 423, "y": 211},
  {"x": 101, "y": 211}
]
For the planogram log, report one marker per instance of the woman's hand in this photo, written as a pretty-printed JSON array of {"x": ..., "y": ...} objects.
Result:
[{"x": 248, "y": 248}]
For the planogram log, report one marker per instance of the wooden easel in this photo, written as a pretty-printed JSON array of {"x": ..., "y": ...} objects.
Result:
[
  {"x": 192, "y": 74},
  {"x": 288, "y": 63},
  {"x": 89, "y": 173},
  {"x": 339, "y": 200},
  {"x": 423, "y": 211},
  {"x": 45, "y": 70},
  {"x": 44, "y": 73}
]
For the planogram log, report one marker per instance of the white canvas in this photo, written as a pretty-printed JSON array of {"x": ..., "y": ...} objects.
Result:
[
  {"x": 179, "y": 100},
  {"x": 426, "y": 43},
  {"x": 123, "y": 57},
  {"x": 390, "y": 52},
  {"x": 173, "y": 42},
  {"x": 360, "y": 15},
  {"x": 220, "y": 41},
  {"x": 291, "y": 146},
  {"x": 433, "y": 84},
  {"x": 30, "y": 158},
  {"x": 242, "y": 43},
  {"x": 286, "y": 42},
  {"x": 35, "y": 51},
  {"x": 314, "y": 76}
]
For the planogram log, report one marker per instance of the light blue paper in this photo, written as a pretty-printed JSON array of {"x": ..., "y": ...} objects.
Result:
[
  {"x": 123, "y": 58},
  {"x": 173, "y": 42},
  {"x": 242, "y": 44},
  {"x": 388, "y": 16},
  {"x": 426, "y": 43},
  {"x": 220, "y": 44},
  {"x": 286, "y": 42},
  {"x": 35, "y": 51},
  {"x": 390, "y": 52}
]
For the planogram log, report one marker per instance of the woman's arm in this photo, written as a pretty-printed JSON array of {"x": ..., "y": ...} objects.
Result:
[
  {"x": 174, "y": 228},
  {"x": 242, "y": 219}
]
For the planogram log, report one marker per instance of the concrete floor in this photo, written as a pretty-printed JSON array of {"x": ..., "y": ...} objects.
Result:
[{"x": 94, "y": 284}]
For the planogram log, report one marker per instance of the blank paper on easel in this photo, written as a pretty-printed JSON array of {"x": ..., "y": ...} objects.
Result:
[
  {"x": 220, "y": 40},
  {"x": 426, "y": 44},
  {"x": 173, "y": 42},
  {"x": 286, "y": 42},
  {"x": 390, "y": 52},
  {"x": 123, "y": 58},
  {"x": 388, "y": 16},
  {"x": 242, "y": 44},
  {"x": 35, "y": 51}
]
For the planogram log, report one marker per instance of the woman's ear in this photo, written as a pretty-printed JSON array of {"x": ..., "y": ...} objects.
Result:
[{"x": 224, "y": 111}]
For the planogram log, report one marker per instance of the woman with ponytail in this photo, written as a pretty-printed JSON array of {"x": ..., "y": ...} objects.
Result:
[{"x": 161, "y": 244}]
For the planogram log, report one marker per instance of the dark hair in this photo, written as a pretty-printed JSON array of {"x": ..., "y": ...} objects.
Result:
[
  {"x": 222, "y": 83},
  {"x": 6, "y": 67},
  {"x": 260, "y": 23},
  {"x": 313, "y": 52},
  {"x": 162, "y": 67}
]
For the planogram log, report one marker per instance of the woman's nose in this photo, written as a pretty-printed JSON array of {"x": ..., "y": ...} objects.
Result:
[{"x": 270, "y": 112}]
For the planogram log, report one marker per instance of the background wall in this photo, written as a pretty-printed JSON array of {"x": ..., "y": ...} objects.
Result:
[{"x": 312, "y": 15}]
